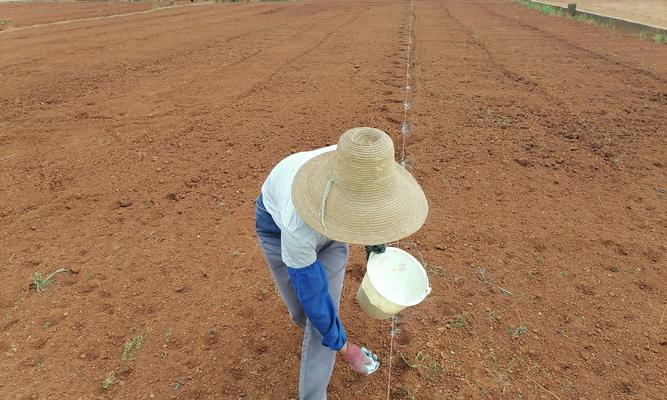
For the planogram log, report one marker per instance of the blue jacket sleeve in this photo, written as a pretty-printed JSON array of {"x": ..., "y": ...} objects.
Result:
[{"x": 312, "y": 289}]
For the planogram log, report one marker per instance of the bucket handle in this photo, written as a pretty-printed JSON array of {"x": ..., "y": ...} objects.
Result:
[
  {"x": 421, "y": 257},
  {"x": 401, "y": 245}
]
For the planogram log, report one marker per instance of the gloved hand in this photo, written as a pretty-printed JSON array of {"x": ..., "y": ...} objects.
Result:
[
  {"x": 360, "y": 359},
  {"x": 378, "y": 248}
]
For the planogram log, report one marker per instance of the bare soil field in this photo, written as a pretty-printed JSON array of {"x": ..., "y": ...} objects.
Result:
[
  {"x": 23, "y": 14},
  {"x": 653, "y": 12},
  {"x": 132, "y": 149}
]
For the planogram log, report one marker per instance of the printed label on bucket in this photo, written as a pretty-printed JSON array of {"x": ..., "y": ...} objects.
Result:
[{"x": 399, "y": 268}]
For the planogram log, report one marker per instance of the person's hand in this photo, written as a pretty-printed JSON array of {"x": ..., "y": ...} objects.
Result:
[
  {"x": 360, "y": 359},
  {"x": 378, "y": 248}
]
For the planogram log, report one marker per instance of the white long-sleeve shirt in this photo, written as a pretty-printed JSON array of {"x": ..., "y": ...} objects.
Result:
[{"x": 299, "y": 242}]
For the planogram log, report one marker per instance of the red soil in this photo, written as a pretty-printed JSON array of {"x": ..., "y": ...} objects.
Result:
[
  {"x": 131, "y": 150},
  {"x": 24, "y": 14}
]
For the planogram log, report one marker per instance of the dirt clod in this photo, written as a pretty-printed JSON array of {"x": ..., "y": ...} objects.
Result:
[{"x": 523, "y": 162}]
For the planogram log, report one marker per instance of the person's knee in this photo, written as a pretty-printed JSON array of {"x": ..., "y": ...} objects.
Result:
[
  {"x": 300, "y": 322},
  {"x": 299, "y": 319}
]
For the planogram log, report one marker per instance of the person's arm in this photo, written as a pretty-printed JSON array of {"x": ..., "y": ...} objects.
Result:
[
  {"x": 311, "y": 285},
  {"x": 312, "y": 289}
]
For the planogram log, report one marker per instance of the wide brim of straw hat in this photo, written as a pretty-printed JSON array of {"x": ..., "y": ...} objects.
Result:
[{"x": 370, "y": 215}]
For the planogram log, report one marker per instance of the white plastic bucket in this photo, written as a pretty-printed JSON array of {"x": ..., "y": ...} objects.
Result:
[{"x": 394, "y": 280}]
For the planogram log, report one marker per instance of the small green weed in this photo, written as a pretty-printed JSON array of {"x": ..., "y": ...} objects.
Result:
[
  {"x": 543, "y": 8},
  {"x": 421, "y": 361},
  {"x": 492, "y": 316},
  {"x": 436, "y": 270},
  {"x": 131, "y": 347},
  {"x": 660, "y": 38},
  {"x": 417, "y": 363},
  {"x": 585, "y": 18},
  {"x": 505, "y": 292},
  {"x": 38, "y": 282},
  {"x": 505, "y": 121},
  {"x": 591, "y": 20},
  {"x": 168, "y": 336},
  {"x": 109, "y": 380},
  {"x": 518, "y": 331},
  {"x": 435, "y": 369},
  {"x": 161, "y": 4},
  {"x": 482, "y": 278},
  {"x": 5, "y": 23},
  {"x": 459, "y": 321}
]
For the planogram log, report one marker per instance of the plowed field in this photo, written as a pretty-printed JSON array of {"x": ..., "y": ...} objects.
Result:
[{"x": 132, "y": 148}]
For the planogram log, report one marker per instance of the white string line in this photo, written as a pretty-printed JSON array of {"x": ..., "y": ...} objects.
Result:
[
  {"x": 404, "y": 126},
  {"x": 404, "y": 131},
  {"x": 391, "y": 351}
]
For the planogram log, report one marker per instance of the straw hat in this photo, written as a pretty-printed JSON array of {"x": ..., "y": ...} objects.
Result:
[{"x": 358, "y": 193}]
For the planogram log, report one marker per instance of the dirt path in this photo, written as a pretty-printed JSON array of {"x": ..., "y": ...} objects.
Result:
[
  {"x": 79, "y": 16},
  {"x": 26, "y": 14},
  {"x": 647, "y": 11},
  {"x": 132, "y": 150}
]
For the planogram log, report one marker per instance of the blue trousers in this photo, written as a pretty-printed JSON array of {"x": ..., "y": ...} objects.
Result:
[{"x": 317, "y": 361}]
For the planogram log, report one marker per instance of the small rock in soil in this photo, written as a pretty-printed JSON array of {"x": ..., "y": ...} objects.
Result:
[
  {"x": 523, "y": 162},
  {"x": 173, "y": 196},
  {"x": 124, "y": 203}
]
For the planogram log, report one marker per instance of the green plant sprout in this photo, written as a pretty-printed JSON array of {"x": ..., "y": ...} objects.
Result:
[
  {"x": 421, "y": 362},
  {"x": 38, "y": 283},
  {"x": 108, "y": 381},
  {"x": 459, "y": 321},
  {"x": 518, "y": 331},
  {"x": 131, "y": 347}
]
